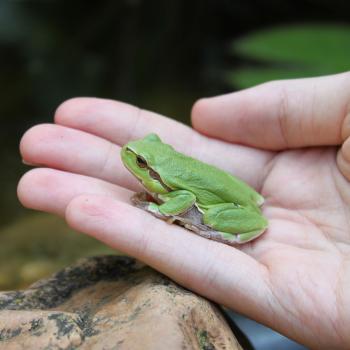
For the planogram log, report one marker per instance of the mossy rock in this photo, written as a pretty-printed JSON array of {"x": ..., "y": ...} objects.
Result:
[{"x": 111, "y": 302}]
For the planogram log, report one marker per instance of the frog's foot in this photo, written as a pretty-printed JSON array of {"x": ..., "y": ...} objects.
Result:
[
  {"x": 191, "y": 219},
  {"x": 145, "y": 201}
]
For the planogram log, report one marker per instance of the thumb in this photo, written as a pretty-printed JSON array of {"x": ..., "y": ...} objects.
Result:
[{"x": 280, "y": 115}]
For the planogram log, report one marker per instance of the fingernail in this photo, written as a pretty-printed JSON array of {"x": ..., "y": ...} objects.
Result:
[{"x": 28, "y": 163}]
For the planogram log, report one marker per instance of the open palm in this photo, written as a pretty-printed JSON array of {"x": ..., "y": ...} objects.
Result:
[{"x": 281, "y": 138}]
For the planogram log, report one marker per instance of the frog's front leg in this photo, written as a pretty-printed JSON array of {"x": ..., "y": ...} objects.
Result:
[
  {"x": 173, "y": 203},
  {"x": 235, "y": 223}
]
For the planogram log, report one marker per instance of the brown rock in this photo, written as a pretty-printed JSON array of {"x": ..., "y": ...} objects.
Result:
[{"x": 110, "y": 302}]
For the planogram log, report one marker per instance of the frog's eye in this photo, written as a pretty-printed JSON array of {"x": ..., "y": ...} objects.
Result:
[{"x": 141, "y": 162}]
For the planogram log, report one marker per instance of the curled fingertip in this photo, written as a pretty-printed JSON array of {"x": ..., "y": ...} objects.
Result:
[
  {"x": 32, "y": 140},
  {"x": 28, "y": 188},
  {"x": 205, "y": 112},
  {"x": 199, "y": 109},
  {"x": 23, "y": 187},
  {"x": 72, "y": 108}
]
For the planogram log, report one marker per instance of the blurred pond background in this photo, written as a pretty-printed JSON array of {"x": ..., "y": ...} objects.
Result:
[{"x": 159, "y": 55}]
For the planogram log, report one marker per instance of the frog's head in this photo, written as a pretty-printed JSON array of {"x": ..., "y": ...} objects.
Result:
[{"x": 140, "y": 159}]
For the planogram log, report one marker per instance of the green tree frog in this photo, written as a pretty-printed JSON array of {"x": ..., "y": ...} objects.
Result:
[{"x": 199, "y": 196}]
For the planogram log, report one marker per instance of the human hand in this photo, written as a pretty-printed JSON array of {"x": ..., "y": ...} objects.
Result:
[{"x": 280, "y": 137}]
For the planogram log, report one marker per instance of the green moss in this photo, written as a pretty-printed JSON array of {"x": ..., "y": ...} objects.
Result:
[{"x": 204, "y": 342}]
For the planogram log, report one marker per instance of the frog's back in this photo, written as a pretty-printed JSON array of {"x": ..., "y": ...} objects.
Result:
[{"x": 210, "y": 184}]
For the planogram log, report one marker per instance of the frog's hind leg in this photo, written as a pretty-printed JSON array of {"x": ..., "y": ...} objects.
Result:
[{"x": 235, "y": 223}]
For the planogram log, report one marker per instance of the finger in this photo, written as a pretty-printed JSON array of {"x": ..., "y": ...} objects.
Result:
[
  {"x": 280, "y": 115},
  {"x": 72, "y": 150},
  {"x": 77, "y": 151},
  {"x": 51, "y": 190},
  {"x": 120, "y": 122},
  {"x": 207, "y": 267}
]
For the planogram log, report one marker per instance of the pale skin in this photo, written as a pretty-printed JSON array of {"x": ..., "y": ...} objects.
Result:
[{"x": 287, "y": 139}]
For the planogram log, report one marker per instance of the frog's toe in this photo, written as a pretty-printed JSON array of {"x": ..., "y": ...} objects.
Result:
[{"x": 248, "y": 236}]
